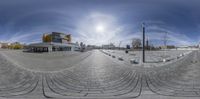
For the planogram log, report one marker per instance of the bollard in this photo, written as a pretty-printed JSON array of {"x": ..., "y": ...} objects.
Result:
[
  {"x": 133, "y": 61},
  {"x": 120, "y": 58},
  {"x": 164, "y": 60}
]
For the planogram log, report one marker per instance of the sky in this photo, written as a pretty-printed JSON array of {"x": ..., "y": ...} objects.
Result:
[{"x": 101, "y": 21}]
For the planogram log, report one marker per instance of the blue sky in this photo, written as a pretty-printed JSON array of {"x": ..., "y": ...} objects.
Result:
[{"x": 120, "y": 20}]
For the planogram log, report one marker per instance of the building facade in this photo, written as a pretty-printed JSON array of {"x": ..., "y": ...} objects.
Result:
[
  {"x": 57, "y": 37},
  {"x": 54, "y": 41},
  {"x": 109, "y": 46},
  {"x": 5, "y": 45}
]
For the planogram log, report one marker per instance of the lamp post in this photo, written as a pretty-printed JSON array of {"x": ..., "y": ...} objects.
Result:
[
  {"x": 120, "y": 44},
  {"x": 143, "y": 44}
]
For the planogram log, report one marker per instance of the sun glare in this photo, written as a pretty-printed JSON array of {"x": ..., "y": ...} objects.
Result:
[{"x": 100, "y": 28}]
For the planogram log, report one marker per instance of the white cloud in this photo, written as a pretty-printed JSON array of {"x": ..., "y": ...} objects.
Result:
[
  {"x": 157, "y": 33},
  {"x": 20, "y": 37},
  {"x": 87, "y": 29}
]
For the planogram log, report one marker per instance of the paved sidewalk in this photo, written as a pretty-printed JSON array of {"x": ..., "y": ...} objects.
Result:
[{"x": 96, "y": 74}]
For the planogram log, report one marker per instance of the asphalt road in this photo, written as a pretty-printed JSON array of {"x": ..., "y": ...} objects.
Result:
[{"x": 96, "y": 74}]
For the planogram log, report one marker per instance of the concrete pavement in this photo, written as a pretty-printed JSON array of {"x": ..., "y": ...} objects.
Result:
[{"x": 95, "y": 74}]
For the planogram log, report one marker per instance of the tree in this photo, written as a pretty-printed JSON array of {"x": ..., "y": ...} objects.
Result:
[
  {"x": 136, "y": 43},
  {"x": 15, "y": 45}
]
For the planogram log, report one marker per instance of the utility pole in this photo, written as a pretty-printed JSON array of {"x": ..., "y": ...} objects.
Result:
[
  {"x": 165, "y": 39},
  {"x": 120, "y": 44},
  {"x": 147, "y": 43},
  {"x": 143, "y": 44},
  {"x": 165, "y": 42}
]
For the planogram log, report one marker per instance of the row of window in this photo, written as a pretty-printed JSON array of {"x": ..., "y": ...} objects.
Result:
[
  {"x": 46, "y": 49},
  {"x": 61, "y": 49},
  {"x": 40, "y": 49}
]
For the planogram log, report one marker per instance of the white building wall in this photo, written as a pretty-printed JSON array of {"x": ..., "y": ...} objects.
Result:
[
  {"x": 187, "y": 49},
  {"x": 50, "y": 48}
]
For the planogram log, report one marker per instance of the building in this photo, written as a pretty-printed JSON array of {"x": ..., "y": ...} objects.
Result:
[
  {"x": 187, "y": 47},
  {"x": 51, "y": 46},
  {"x": 90, "y": 47},
  {"x": 109, "y": 46},
  {"x": 4, "y": 45},
  {"x": 57, "y": 37},
  {"x": 168, "y": 47},
  {"x": 54, "y": 41}
]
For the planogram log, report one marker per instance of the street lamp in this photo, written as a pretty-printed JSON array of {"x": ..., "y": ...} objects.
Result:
[{"x": 143, "y": 44}]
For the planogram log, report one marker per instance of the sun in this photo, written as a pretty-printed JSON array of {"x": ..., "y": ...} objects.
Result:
[{"x": 100, "y": 28}]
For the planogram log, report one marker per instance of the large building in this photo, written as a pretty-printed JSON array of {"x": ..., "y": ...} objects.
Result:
[
  {"x": 54, "y": 41},
  {"x": 57, "y": 37}
]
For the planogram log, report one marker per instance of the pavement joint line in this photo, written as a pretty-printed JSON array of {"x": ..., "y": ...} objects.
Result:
[{"x": 153, "y": 79}]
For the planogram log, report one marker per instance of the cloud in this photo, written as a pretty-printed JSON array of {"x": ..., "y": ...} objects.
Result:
[
  {"x": 159, "y": 33},
  {"x": 87, "y": 28},
  {"x": 26, "y": 21},
  {"x": 23, "y": 38}
]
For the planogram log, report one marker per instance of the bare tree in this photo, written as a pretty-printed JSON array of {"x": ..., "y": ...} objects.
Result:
[{"x": 136, "y": 43}]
